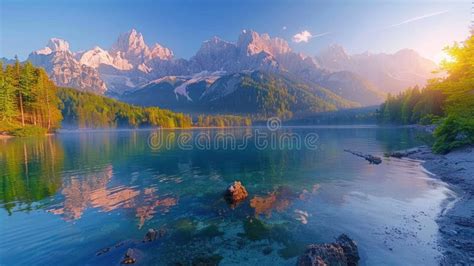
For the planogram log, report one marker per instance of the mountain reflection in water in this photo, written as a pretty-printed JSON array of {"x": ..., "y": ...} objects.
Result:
[
  {"x": 92, "y": 191},
  {"x": 75, "y": 194}
]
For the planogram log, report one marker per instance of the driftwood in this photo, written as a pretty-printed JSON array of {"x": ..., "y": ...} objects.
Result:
[
  {"x": 401, "y": 154},
  {"x": 372, "y": 159}
]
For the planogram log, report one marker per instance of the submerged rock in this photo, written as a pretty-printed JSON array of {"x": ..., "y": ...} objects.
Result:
[
  {"x": 210, "y": 231},
  {"x": 291, "y": 250},
  {"x": 211, "y": 260},
  {"x": 267, "y": 250},
  {"x": 129, "y": 257},
  {"x": 255, "y": 229},
  {"x": 341, "y": 253},
  {"x": 235, "y": 193},
  {"x": 184, "y": 231},
  {"x": 102, "y": 251},
  {"x": 154, "y": 234}
]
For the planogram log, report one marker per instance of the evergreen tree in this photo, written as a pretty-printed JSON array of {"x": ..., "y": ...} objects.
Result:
[
  {"x": 27, "y": 81},
  {"x": 7, "y": 96},
  {"x": 19, "y": 92}
]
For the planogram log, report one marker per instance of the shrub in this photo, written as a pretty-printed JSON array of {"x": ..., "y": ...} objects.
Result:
[
  {"x": 28, "y": 131},
  {"x": 429, "y": 119},
  {"x": 453, "y": 132}
]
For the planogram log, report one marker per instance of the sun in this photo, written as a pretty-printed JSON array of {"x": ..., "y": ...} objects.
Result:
[{"x": 443, "y": 56}]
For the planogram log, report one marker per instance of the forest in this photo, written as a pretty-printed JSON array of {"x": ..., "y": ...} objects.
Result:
[
  {"x": 28, "y": 100},
  {"x": 222, "y": 121},
  {"x": 446, "y": 102},
  {"x": 88, "y": 110},
  {"x": 30, "y": 104}
]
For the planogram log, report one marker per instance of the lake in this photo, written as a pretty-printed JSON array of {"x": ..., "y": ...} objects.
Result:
[{"x": 87, "y": 197}]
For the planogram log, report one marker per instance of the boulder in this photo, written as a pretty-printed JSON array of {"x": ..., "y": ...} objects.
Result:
[
  {"x": 129, "y": 257},
  {"x": 154, "y": 234},
  {"x": 343, "y": 252},
  {"x": 235, "y": 193},
  {"x": 151, "y": 235}
]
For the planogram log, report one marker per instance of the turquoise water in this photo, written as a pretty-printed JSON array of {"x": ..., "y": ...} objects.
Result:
[{"x": 85, "y": 198}]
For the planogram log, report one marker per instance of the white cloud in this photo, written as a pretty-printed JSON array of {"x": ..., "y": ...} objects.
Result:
[
  {"x": 283, "y": 28},
  {"x": 417, "y": 18},
  {"x": 303, "y": 36}
]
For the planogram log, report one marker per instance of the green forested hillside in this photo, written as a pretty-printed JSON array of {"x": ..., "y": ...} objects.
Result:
[
  {"x": 87, "y": 110},
  {"x": 258, "y": 94},
  {"x": 267, "y": 94},
  {"x": 449, "y": 101}
]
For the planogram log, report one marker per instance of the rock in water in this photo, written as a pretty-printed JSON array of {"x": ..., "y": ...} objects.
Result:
[
  {"x": 236, "y": 193},
  {"x": 350, "y": 249},
  {"x": 343, "y": 252},
  {"x": 151, "y": 235},
  {"x": 129, "y": 257},
  {"x": 154, "y": 234}
]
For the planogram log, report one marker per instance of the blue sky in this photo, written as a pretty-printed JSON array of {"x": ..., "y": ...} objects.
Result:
[{"x": 376, "y": 26}]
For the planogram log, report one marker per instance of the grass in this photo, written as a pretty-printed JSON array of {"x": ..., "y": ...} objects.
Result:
[{"x": 15, "y": 129}]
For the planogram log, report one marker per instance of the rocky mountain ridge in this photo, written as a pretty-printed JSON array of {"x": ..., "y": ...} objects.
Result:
[
  {"x": 130, "y": 64},
  {"x": 390, "y": 73}
]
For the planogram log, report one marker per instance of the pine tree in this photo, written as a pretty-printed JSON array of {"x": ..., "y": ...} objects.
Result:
[
  {"x": 7, "y": 96},
  {"x": 16, "y": 84},
  {"x": 27, "y": 81}
]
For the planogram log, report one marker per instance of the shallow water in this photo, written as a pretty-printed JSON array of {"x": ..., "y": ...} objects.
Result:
[{"x": 85, "y": 198}]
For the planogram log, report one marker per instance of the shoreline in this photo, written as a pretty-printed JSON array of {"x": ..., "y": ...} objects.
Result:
[
  {"x": 6, "y": 136},
  {"x": 456, "y": 220}
]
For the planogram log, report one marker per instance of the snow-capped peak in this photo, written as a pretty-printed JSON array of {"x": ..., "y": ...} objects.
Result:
[
  {"x": 161, "y": 52},
  {"x": 131, "y": 47},
  {"x": 98, "y": 56},
  {"x": 253, "y": 43},
  {"x": 95, "y": 57},
  {"x": 131, "y": 41},
  {"x": 56, "y": 44}
]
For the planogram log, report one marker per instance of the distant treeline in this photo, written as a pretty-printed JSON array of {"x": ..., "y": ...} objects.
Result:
[
  {"x": 448, "y": 102},
  {"x": 413, "y": 106},
  {"x": 28, "y": 100},
  {"x": 88, "y": 110},
  {"x": 222, "y": 121},
  {"x": 362, "y": 115}
]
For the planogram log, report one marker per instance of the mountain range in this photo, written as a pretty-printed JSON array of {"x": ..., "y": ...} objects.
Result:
[
  {"x": 390, "y": 73},
  {"x": 222, "y": 71}
]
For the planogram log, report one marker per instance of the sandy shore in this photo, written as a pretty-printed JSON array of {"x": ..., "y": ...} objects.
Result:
[{"x": 456, "y": 222}]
